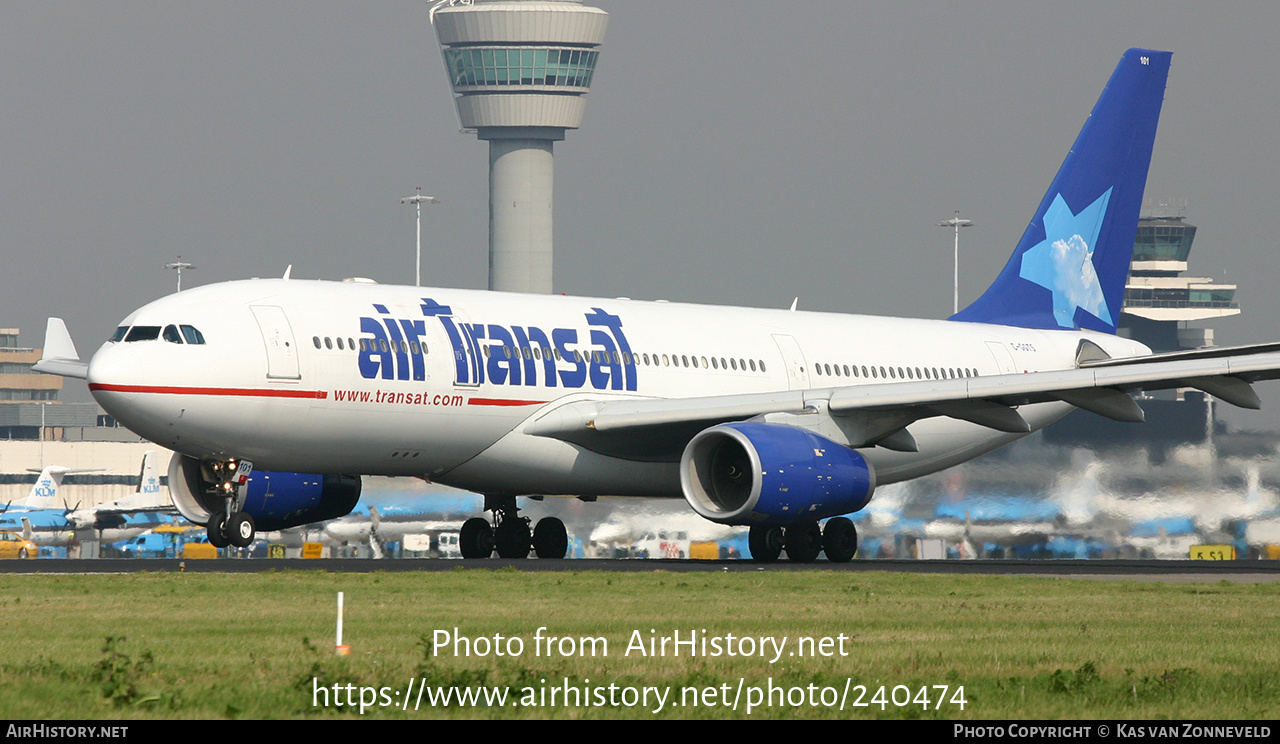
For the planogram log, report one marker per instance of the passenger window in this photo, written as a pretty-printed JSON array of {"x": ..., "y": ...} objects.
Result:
[
  {"x": 171, "y": 335},
  {"x": 753, "y": 365},
  {"x": 143, "y": 333},
  {"x": 316, "y": 340},
  {"x": 761, "y": 365},
  {"x": 328, "y": 343},
  {"x": 338, "y": 341}
]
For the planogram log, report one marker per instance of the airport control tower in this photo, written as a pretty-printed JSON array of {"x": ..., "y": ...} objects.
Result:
[{"x": 520, "y": 70}]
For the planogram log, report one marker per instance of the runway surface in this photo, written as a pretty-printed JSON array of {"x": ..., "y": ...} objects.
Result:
[{"x": 1173, "y": 571}]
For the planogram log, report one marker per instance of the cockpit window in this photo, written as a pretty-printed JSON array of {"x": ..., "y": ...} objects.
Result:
[
  {"x": 192, "y": 334},
  {"x": 171, "y": 335},
  {"x": 118, "y": 336},
  {"x": 143, "y": 333}
]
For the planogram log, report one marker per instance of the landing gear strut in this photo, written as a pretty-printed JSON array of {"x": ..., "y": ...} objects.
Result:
[
  {"x": 230, "y": 525},
  {"x": 510, "y": 534}
]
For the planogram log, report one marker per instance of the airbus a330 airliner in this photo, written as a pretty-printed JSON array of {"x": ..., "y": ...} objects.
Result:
[{"x": 278, "y": 394}]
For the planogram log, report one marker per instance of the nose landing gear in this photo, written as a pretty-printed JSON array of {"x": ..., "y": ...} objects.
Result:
[{"x": 230, "y": 525}]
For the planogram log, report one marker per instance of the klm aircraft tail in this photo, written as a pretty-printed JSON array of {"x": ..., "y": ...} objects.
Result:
[
  {"x": 44, "y": 494},
  {"x": 1070, "y": 267}
]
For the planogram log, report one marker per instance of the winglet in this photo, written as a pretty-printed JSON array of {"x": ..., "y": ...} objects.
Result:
[{"x": 60, "y": 356}]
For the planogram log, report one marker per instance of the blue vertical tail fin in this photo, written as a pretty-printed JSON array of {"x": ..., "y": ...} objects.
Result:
[{"x": 1070, "y": 267}]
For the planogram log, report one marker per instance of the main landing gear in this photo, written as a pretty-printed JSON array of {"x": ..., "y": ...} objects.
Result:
[
  {"x": 510, "y": 534},
  {"x": 804, "y": 540},
  {"x": 229, "y": 526}
]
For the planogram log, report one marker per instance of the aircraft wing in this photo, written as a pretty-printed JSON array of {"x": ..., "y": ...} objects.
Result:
[{"x": 880, "y": 412}]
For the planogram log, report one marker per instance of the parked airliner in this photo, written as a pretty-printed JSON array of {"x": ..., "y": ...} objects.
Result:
[
  {"x": 45, "y": 518},
  {"x": 277, "y": 394}
]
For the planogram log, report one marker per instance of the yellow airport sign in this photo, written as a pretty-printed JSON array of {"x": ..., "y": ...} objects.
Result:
[
  {"x": 1213, "y": 552},
  {"x": 313, "y": 550}
]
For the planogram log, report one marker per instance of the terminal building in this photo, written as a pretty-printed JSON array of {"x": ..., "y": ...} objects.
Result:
[
  {"x": 29, "y": 405},
  {"x": 38, "y": 429}
]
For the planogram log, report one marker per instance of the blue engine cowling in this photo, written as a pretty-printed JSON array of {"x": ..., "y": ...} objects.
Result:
[
  {"x": 772, "y": 474},
  {"x": 276, "y": 501}
]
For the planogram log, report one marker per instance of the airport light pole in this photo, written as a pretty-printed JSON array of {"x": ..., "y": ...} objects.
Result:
[
  {"x": 957, "y": 223},
  {"x": 417, "y": 201},
  {"x": 179, "y": 265}
]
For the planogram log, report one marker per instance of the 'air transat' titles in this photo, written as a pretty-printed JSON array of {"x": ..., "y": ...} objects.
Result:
[{"x": 502, "y": 355}]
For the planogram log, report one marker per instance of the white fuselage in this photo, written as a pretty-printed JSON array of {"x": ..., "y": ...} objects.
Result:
[{"x": 276, "y": 379}]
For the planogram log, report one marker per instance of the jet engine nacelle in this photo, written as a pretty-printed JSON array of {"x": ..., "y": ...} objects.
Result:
[
  {"x": 276, "y": 501},
  {"x": 772, "y": 474}
]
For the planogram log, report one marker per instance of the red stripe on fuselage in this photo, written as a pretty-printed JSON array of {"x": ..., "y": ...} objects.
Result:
[
  {"x": 267, "y": 393},
  {"x": 239, "y": 392},
  {"x": 500, "y": 402}
]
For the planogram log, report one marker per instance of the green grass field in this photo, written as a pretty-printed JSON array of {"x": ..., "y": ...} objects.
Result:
[{"x": 259, "y": 645}]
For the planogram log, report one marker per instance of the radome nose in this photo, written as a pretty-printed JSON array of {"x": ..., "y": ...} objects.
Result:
[
  {"x": 114, "y": 375},
  {"x": 114, "y": 366}
]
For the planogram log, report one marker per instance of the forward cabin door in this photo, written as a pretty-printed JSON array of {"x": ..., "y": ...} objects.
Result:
[{"x": 277, "y": 335}]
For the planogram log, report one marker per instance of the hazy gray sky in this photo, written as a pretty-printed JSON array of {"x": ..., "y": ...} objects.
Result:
[{"x": 736, "y": 152}]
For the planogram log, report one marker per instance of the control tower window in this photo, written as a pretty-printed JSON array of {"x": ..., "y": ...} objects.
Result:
[{"x": 566, "y": 68}]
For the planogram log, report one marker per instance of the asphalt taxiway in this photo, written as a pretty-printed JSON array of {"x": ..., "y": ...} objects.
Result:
[{"x": 1174, "y": 571}]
